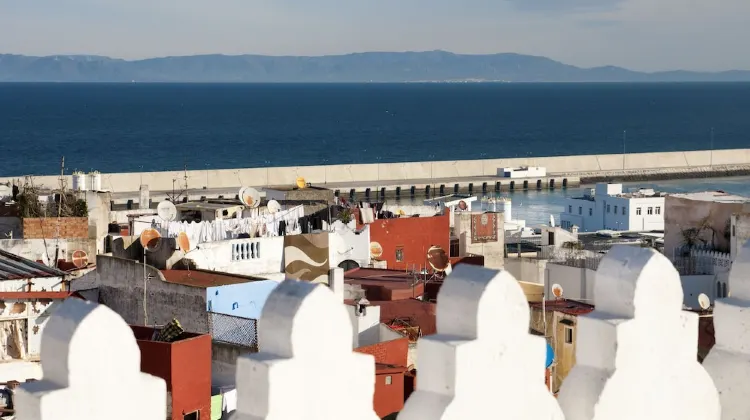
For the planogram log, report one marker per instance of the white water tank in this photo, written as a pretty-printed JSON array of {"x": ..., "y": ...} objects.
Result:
[
  {"x": 507, "y": 217},
  {"x": 79, "y": 181},
  {"x": 95, "y": 181}
]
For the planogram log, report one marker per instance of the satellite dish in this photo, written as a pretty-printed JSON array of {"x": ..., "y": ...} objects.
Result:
[
  {"x": 557, "y": 291},
  {"x": 376, "y": 251},
  {"x": 250, "y": 197},
  {"x": 80, "y": 258},
  {"x": 462, "y": 205},
  {"x": 273, "y": 206},
  {"x": 301, "y": 183},
  {"x": 241, "y": 193},
  {"x": 166, "y": 211},
  {"x": 150, "y": 239},
  {"x": 438, "y": 259},
  {"x": 704, "y": 301},
  {"x": 183, "y": 242},
  {"x": 552, "y": 220}
]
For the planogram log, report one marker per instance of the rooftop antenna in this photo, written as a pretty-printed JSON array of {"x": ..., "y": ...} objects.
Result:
[
  {"x": 59, "y": 211},
  {"x": 150, "y": 240}
]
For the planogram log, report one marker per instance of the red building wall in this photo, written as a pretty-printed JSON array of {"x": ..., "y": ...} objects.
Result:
[
  {"x": 414, "y": 235},
  {"x": 184, "y": 365},
  {"x": 390, "y": 367}
]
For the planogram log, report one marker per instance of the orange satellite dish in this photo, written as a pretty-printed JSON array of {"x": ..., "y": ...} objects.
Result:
[
  {"x": 183, "y": 241},
  {"x": 438, "y": 259},
  {"x": 80, "y": 258},
  {"x": 150, "y": 238},
  {"x": 376, "y": 250},
  {"x": 301, "y": 183}
]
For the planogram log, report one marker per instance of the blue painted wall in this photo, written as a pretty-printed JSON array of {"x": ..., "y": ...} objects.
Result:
[{"x": 245, "y": 300}]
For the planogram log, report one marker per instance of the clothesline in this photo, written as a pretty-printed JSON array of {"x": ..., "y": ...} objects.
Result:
[{"x": 262, "y": 225}]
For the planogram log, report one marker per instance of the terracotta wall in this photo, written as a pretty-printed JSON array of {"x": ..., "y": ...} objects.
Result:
[
  {"x": 414, "y": 235},
  {"x": 389, "y": 391},
  {"x": 70, "y": 227}
]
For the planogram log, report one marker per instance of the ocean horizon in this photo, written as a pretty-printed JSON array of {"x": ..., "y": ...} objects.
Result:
[{"x": 131, "y": 127}]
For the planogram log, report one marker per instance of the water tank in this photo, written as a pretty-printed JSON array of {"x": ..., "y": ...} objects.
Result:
[
  {"x": 507, "y": 217},
  {"x": 95, "y": 181},
  {"x": 79, "y": 181}
]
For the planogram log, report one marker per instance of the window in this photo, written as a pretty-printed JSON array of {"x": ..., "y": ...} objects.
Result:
[
  {"x": 615, "y": 209},
  {"x": 624, "y": 210},
  {"x": 580, "y": 210},
  {"x": 734, "y": 231},
  {"x": 650, "y": 211},
  {"x": 570, "y": 209},
  {"x": 195, "y": 415},
  {"x": 607, "y": 208},
  {"x": 658, "y": 210},
  {"x": 399, "y": 254},
  {"x": 388, "y": 380},
  {"x": 568, "y": 335},
  {"x": 637, "y": 211},
  {"x": 591, "y": 212}
]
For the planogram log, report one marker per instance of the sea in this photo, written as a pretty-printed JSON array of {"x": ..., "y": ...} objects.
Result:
[{"x": 154, "y": 127}]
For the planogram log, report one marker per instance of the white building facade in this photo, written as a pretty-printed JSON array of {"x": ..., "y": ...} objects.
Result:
[{"x": 606, "y": 207}]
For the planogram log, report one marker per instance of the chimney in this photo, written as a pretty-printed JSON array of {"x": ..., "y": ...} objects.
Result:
[
  {"x": 145, "y": 198},
  {"x": 336, "y": 282}
]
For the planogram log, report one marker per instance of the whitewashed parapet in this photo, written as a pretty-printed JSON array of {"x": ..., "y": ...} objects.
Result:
[
  {"x": 482, "y": 363},
  {"x": 306, "y": 368},
  {"x": 92, "y": 370},
  {"x": 710, "y": 261},
  {"x": 637, "y": 352},
  {"x": 728, "y": 363}
]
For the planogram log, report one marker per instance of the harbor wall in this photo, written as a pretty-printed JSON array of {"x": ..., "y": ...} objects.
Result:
[{"x": 583, "y": 166}]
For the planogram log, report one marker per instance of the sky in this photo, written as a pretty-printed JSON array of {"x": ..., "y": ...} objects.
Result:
[{"x": 646, "y": 35}]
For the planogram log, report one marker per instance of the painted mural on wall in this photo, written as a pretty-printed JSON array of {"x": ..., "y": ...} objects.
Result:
[
  {"x": 306, "y": 257},
  {"x": 484, "y": 227}
]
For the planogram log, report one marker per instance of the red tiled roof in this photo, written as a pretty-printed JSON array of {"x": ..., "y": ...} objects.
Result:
[
  {"x": 566, "y": 306},
  {"x": 38, "y": 295},
  {"x": 202, "y": 278}
]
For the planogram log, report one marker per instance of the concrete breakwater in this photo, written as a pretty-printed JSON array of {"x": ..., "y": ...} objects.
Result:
[{"x": 375, "y": 176}]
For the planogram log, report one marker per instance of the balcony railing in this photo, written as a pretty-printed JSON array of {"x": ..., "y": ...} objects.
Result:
[{"x": 636, "y": 356}]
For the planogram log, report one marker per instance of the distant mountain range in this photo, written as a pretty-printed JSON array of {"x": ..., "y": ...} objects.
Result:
[{"x": 432, "y": 66}]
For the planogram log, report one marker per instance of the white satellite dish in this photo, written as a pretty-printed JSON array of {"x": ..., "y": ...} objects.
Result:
[
  {"x": 273, "y": 206},
  {"x": 241, "y": 193},
  {"x": 552, "y": 220},
  {"x": 557, "y": 291},
  {"x": 250, "y": 197},
  {"x": 166, "y": 211},
  {"x": 703, "y": 301}
]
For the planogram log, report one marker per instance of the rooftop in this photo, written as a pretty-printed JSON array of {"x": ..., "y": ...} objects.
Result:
[
  {"x": 566, "y": 306},
  {"x": 203, "y": 205},
  {"x": 399, "y": 314},
  {"x": 716, "y": 196},
  {"x": 379, "y": 277},
  {"x": 14, "y": 267},
  {"x": 204, "y": 278},
  {"x": 594, "y": 241},
  {"x": 294, "y": 188}
]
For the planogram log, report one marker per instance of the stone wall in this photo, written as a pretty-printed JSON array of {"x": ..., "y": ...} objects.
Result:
[{"x": 46, "y": 227}]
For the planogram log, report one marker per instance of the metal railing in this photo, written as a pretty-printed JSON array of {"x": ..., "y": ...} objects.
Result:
[{"x": 233, "y": 329}]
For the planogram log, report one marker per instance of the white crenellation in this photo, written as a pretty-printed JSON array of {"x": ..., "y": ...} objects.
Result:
[
  {"x": 729, "y": 360},
  {"x": 636, "y": 353},
  {"x": 91, "y": 370},
  {"x": 482, "y": 363}
]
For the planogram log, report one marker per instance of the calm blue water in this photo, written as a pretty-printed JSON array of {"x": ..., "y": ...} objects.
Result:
[{"x": 129, "y": 127}]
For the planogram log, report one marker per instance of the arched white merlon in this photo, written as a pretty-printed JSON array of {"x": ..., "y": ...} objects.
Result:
[
  {"x": 482, "y": 363},
  {"x": 306, "y": 368},
  {"x": 728, "y": 363},
  {"x": 636, "y": 354},
  {"x": 92, "y": 370}
]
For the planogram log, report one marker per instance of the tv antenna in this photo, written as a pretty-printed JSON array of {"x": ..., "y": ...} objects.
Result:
[{"x": 150, "y": 240}]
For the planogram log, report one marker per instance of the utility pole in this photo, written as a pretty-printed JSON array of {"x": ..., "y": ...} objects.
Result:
[{"x": 59, "y": 210}]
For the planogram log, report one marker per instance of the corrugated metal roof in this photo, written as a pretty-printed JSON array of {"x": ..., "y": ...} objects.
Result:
[{"x": 13, "y": 267}]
